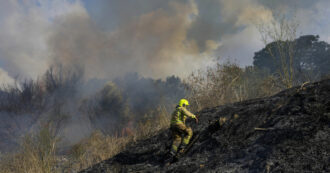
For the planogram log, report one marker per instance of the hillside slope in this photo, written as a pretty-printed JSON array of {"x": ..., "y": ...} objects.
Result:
[{"x": 294, "y": 137}]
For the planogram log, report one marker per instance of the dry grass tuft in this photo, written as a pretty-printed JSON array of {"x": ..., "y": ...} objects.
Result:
[
  {"x": 94, "y": 149},
  {"x": 99, "y": 146},
  {"x": 37, "y": 155},
  {"x": 228, "y": 83},
  {"x": 38, "y": 152}
]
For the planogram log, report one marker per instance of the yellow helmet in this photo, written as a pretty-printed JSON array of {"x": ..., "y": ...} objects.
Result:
[{"x": 183, "y": 102}]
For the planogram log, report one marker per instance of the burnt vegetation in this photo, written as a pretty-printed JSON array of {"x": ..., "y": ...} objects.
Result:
[
  {"x": 68, "y": 124},
  {"x": 287, "y": 132}
]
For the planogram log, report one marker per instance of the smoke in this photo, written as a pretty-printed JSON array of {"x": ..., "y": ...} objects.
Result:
[
  {"x": 13, "y": 127},
  {"x": 5, "y": 79},
  {"x": 59, "y": 100},
  {"x": 154, "y": 38},
  {"x": 242, "y": 17},
  {"x": 21, "y": 45},
  {"x": 315, "y": 21},
  {"x": 155, "y": 44}
]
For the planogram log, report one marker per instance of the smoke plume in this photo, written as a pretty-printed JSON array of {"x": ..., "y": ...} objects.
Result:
[{"x": 154, "y": 38}]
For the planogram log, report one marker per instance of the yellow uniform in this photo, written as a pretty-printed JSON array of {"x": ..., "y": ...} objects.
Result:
[{"x": 180, "y": 132}]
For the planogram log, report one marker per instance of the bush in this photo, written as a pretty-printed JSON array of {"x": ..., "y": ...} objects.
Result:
[
  {"x": 37, "y": 154},
  {"x": 99, "y": 146},
  {"x": 94, "y": 149},
  {"x": 228, "y": 83}
]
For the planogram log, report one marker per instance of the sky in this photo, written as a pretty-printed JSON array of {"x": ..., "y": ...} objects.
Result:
[{"x": 155, "y": 38}]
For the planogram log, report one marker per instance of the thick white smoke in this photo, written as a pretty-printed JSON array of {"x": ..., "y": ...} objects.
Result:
[
  {"x": 5, "y": 79},
  {"x": 25, "y": 28}
]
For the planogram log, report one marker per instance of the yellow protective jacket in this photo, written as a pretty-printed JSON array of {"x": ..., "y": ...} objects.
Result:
[{"x": 180, "y": 114}]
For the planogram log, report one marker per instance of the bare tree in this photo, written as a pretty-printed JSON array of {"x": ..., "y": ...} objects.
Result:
[{"x": 279, "y": 38}]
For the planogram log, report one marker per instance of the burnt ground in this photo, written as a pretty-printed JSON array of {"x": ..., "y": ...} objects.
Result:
[{"x": 294, "y": 137}]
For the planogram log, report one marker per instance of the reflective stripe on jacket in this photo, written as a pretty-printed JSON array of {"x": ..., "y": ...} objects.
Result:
[{"x": 180, "y": 114}]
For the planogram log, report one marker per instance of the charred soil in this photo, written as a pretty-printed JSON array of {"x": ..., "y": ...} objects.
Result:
[{"x": 287, "y": 132}]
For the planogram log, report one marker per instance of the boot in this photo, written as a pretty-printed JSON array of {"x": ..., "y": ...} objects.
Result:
[
  {"x": 169, "y": 158},
  {"x": 182, "y": 148},
  {"x": 172, "y": 153}
]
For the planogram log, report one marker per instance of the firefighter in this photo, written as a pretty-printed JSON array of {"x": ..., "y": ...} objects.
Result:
[{"x": 181, "y": 134}]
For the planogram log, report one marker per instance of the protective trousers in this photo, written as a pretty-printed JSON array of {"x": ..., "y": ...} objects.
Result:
[{"x": 180, "y": 134}]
